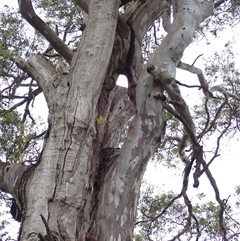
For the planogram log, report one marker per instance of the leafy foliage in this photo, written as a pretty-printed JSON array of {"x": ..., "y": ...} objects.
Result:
[
  {"x": 16, "y": 138},
  {"x": 163, "y": 216}
]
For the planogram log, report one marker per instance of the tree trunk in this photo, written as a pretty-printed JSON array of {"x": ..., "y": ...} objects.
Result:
[{"x": 84, "y": 186}]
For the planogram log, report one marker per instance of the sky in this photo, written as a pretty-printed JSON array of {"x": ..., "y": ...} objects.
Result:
[{"x": 226, "y": 167}]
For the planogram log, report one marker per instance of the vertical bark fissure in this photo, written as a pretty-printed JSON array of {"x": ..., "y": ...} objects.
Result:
[
  {"x": 71, "y": 148},
  {"x": 71, "y": 141}
]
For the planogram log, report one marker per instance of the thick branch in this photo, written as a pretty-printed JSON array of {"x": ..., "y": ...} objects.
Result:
[
  {"x": 41, "y": 70},
  {"x": 143, "y": 17},
  {"x": 168, "y": 55},
  {"x": 13, "y": 175},
  {"x": 27, "y": 11},
  {"x": 167, "y": 58},
  {"x": 124, "y": 176}
]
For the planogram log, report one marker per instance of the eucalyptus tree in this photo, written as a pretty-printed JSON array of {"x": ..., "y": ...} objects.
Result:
[{"x": 85, "y": 182}]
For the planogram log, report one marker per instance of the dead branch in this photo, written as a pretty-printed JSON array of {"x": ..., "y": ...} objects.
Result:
[
  {"x": 29, "y": 98},
  {"x": 194, "y": 86},
  {"x": 196, "y": 59},
  {"x": 199, "y": 73}
]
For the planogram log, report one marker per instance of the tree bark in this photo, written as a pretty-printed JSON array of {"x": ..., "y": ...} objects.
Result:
[{"x": 84, "y": 186}]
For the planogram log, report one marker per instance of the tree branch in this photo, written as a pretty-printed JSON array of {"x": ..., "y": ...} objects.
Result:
[
  {"x": 27, "y": 11},
  {"x": 152, "y": 219},
  {"x": 27, "y": 99},
  {"x": 217, "y": 196},
  {"x": 200, "y": 75},
  {"x": 143, "y": 17},
  {"x": 207, "y": 127},
  {"x": 41, "y": 70}
]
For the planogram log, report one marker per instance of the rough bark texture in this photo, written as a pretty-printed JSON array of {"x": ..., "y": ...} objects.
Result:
[{"x": 84, "y": 186}]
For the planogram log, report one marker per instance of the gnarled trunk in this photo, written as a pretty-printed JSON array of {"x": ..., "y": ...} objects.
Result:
[{"x": 84, "y": 187}]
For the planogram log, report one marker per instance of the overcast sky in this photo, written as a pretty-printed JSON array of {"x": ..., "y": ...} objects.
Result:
[{"x": 226, "y": 167}]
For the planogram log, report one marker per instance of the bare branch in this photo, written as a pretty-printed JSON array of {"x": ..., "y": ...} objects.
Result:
[
  {"x": 224, "y": 92},
  {"x": 200, "y": 135},
  {"x": 27, "y": 11},
  {"x": 199, "y": 73},
  {"x": 184, "y": 122},
  {"x": 29, "y": 98},
  {"x": 12, "y": 97},
  {"x": 193, "y": 86},
  {"x": 196, "y": 59}
]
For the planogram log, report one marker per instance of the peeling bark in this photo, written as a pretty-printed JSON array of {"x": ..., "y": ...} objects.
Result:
[{"x": 84, "y": 186}]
